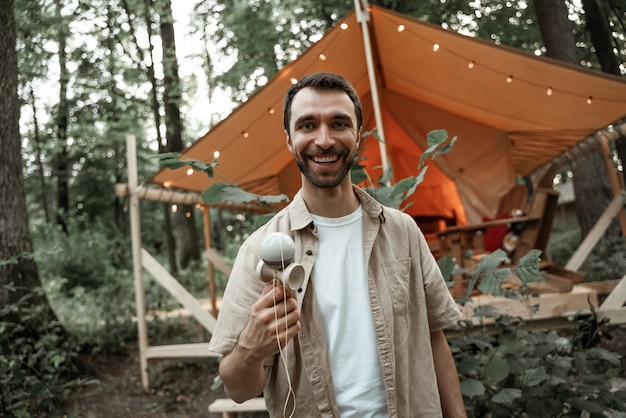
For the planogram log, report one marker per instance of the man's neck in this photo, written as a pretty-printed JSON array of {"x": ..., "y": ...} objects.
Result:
[{"x": 330, "y": 203}]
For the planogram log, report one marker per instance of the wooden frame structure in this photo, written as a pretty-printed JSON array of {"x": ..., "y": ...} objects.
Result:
[{"x": 143, "y": 260}]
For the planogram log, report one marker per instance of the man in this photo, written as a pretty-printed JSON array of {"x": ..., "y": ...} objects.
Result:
[{"x": 363, "y": 337}]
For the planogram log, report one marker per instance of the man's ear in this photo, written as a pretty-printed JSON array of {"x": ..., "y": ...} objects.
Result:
[{"x": 288, "y": 141}]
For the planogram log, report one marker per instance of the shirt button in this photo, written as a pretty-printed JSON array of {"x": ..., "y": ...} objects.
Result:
[{"x": 309, "y": 252}]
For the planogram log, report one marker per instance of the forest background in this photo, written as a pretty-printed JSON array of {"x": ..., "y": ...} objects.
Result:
[{"x": 78, "y": 76}]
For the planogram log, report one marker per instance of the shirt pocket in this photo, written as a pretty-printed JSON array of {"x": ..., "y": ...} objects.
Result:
[{"x": 398, "y": 275}]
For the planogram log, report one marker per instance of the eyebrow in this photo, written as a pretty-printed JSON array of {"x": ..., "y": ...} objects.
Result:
[{"x": 338, "y": 116}]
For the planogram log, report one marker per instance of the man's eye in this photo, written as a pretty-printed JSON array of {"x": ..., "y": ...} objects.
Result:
[{"x": 306, "y": 126}]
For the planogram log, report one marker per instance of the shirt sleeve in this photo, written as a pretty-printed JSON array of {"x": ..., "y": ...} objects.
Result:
[
  {"x": 242, "y": 291},
  {"x": 442, "y": 309}
]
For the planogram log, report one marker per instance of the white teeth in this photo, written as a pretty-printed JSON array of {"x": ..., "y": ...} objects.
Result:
[{"x": 325, "y": 159}]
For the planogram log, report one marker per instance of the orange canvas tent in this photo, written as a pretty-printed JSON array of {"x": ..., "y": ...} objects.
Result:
[{"x": 512, "y": 113}]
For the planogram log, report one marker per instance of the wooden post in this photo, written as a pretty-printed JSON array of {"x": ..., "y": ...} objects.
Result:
[
  {"x": 135, "y": 231},
  {"x": 615, "y": 184},
  {"x": 211, "y": 269},
  {"x": 592, "y": 238}
]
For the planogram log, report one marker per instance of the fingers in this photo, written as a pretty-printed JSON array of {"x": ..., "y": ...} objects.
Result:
[
  {"x": 274, "y": 319},
  {"x": 275, "y": 293}
]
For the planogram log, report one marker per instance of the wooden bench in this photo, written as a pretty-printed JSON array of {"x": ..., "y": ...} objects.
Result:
[{"x": 231, "y": 409}]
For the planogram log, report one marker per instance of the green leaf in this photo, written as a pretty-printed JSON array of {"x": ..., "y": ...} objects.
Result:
[
  {"x": 491, "y": 260},
  {"x": 491, "y": 283},
  {"x": 472, "y": 388},
  {"x": 533, "y": 377},
  {"x": 448, "y": 147},
  {"x": 528, "y": 266},
  {"x": 219, "y": 193},
  {"x": 583, "y": 404},
  {"x": 506, "y": 396},
  {"x": 166, "y": 156},
  {"x": 446, "y": 265},
  {"x": 436, "y": 137},
  {"x": 357, "y": 174},
  {"x": 386, "y": 177},
  {"x": 402, "y": 187},
  {"x": 420, "y": 177},
  {"x": 429, "y": 151},
  {"x": 172, "y": 161},
  {"x": 496, "y": 370}
]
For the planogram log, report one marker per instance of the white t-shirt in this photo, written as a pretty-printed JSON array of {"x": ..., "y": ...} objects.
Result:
[{"x": 340, "y": 283}]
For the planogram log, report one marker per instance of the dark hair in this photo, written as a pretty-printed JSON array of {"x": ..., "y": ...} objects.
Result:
[{"x": 322, "y": 81}]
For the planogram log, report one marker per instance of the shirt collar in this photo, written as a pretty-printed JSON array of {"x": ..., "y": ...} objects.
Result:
[{"x": 301, "y": 218}]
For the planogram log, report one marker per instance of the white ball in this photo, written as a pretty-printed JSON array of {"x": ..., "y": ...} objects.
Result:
[{"x": 278, "y": 249}]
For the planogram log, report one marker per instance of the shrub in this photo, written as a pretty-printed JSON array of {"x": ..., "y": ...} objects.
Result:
[
  {"x": 35, "y": 370},
  {"x": 517, "y": 372}
]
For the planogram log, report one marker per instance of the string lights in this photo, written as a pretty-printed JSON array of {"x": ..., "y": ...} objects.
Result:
[
  {"x": 437, "y": 47},
  {"x": 403, "y": 29}
]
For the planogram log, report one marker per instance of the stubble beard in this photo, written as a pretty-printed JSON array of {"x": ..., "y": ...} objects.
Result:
[{"x": 325, "y": 181}]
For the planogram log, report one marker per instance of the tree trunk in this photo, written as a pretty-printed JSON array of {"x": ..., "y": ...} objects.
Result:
[
  {"x": 39, "y": 158},
  {"x": 155, "y": 106},
  {"x": 556, "y": 30},
  {"x": 185, "y": 232},
  {"x": 590, "y": 174},
  {"x": 17, "y": 265},
  {"x": 156, "y": 111},
  {"x": 62, "y": 158},
  {"x": 597, "y": 25}
]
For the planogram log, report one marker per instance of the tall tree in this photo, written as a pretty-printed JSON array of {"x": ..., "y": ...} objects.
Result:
[
  {"x": 591, "y": 182},
  {"x": 184, "y": 228},
  {"x": 62, "y": 157},
  {"x": 598, "y": 27},
  {"x": 19, "y": 275}
]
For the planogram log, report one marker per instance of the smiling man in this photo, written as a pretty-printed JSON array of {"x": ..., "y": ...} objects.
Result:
[{"x": 364, "y": 336}]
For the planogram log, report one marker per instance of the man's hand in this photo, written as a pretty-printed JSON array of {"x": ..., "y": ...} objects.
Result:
[{"x": 273, "y": 318}]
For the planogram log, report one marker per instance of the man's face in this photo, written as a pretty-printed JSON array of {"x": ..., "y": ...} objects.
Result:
[{"x": 324, "y": 136}]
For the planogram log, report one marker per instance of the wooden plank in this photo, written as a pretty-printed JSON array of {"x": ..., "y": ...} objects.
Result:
[
  {"x": 217, "y": 260},
  {"x": 613, "y": 178},
  {"x": 603, "y": 287},
  {"x": 206, "y": 221},
  {"x": 617, "y": 297},
  {"x": 615, "y": 316},
  {"x": 181, "y": 351},
  {"x": 592, "y": 238},
  {"x": 135, "y": 234},
  {"x": 228, "y": 405},
  {"x": 179, "y": 293},
  {"x": 535, "y": 234},
  {"x": 162, "y": 194},
  {"x": 550, "y": 305}
]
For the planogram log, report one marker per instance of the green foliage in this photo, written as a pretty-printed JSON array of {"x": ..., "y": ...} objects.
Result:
[
  {"x": 87, "y": 258},
  {"x": 219, "y": 193},
  {"x": 394, "y": 195},
  {"x": 172, "y": 161},
  {"x": 37, "y": 367},
  {"x": 517, "y": 372}
]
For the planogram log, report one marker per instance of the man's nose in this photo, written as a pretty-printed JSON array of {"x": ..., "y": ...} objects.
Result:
[{"x": 324, "y": 138}]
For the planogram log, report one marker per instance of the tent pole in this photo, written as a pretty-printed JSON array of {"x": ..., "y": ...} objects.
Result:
[{"x": 362, "y": 15}]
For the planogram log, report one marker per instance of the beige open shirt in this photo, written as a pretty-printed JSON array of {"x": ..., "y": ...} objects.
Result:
[{"x": 408, "y": 299}]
